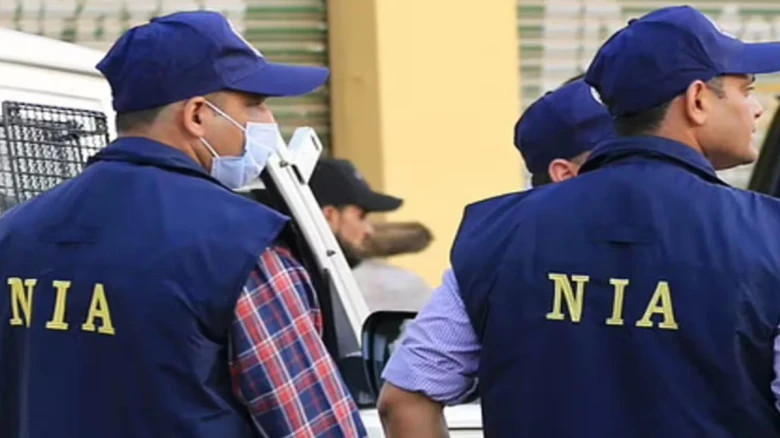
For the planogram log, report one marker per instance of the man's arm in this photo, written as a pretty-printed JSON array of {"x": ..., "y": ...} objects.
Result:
[
  {"x": 435, "y": 365},
  {"x": 776, "y": 382},
  {"x": 410, "y": 414},
  {"x": 281, "y": 369}
]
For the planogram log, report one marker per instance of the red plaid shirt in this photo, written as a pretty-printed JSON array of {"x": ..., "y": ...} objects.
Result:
[{"x": 281, "y": 369}]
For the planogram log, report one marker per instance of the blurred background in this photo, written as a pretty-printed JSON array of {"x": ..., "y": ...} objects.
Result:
[{"x": 423, "y": 95}]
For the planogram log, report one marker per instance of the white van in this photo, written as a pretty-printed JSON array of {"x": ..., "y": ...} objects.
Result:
[{"x": 53, "y": 100}]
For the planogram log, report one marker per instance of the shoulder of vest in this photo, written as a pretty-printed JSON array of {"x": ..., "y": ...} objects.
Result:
[
  {"x": 515, "y": 196},
  {"x": 493, "y": 202},
  {"x": 478, "y": 209}
]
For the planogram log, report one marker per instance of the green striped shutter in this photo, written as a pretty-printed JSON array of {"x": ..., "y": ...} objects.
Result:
[
  {"x": 558, "y": 38},
  {"x": 294, "y": 32},
  {"x": 98, "y": 23}
]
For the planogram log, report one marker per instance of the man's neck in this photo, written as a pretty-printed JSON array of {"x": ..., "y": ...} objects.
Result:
[
  {"x": 680, "y": 136},
  {"x": 172, "y": 141}
]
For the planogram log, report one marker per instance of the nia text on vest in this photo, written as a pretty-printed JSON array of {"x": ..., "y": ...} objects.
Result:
[
  {"x": 97, "y": 316},
  {"x": 574, "y": 295}
]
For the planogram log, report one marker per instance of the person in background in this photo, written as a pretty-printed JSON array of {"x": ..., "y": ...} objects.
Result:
[
  {"x": 346, "y": 200},
  {"x": 439, "y": 356},
  {"x": 385, "y": 285},
  {"x": 145, "y": 298}
]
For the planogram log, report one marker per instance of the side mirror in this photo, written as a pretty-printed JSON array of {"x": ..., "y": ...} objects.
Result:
[
  {"x": 381, "y": 333},
  {"x": 354, "y": 375}
]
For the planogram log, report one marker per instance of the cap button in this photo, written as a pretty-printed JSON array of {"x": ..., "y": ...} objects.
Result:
[{"x": 631, "y": 21}]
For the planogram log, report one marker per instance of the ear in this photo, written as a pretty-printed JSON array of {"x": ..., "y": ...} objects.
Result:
[
  {"x": 195, "y": 113},
  {"x": 561, "y": 170},
  {"x": 698, "y": 102},
  {"x": 332, "y": 216}
]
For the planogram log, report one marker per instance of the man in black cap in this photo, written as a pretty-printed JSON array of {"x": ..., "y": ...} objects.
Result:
[{"x": 346, "y": 200}]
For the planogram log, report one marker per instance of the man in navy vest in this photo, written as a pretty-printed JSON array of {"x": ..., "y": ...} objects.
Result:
[
  {"x": 144, "y": 298},
  {"x": 437, "y": 361},
  {"x": 641, "y": 298}
]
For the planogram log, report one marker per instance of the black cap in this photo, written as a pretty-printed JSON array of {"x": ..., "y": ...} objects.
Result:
[{"x": 337, "y": 182}]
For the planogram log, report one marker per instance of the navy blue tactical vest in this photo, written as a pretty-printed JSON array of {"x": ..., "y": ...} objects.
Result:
[
  {"x": 119, "y": 290},
  {"x": 638, "y": 300}
]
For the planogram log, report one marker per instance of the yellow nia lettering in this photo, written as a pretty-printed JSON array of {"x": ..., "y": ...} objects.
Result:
[
  {"x": 661, "y": 302},
  {"x": 99, "y": 309},
  {"x": 58, "y": 317},
  {"x": 617, "y": 303},
  {"x": 564, "y": 291},
  {"x": 22, "y": 296}
]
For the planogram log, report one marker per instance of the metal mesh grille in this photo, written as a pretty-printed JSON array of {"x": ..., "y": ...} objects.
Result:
[{"x": 42, "y": 146}]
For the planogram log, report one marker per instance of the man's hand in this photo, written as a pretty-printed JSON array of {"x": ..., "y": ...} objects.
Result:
[{"x": 407, "y": 414}]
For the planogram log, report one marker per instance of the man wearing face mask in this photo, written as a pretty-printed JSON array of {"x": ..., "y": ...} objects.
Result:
[{"x": 147, "y": 299}]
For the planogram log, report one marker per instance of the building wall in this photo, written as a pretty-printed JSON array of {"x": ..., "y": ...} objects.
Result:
[{"x": 424, "y": 100}]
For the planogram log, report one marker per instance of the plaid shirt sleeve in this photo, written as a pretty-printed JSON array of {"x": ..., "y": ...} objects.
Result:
[{"x": 281, "y": 369}]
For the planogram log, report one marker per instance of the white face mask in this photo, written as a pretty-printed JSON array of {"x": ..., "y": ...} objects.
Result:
[{"x": 260, "y": 141}]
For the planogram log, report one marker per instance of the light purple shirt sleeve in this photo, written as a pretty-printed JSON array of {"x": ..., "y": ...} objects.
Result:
[
  {"x": 439, "y": 353},
  {"x": 776, "y": 382}
]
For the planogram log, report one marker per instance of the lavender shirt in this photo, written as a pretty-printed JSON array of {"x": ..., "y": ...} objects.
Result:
[{"x": 439, "y": 354}]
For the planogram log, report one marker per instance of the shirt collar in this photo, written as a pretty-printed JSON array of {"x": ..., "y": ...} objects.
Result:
[{"x": 652, "y": 147}]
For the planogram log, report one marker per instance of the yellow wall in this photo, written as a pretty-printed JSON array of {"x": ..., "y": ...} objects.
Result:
[{"x": 424, "y": 100}]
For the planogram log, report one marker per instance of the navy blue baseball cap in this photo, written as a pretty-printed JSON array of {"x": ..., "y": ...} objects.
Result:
[
  {"x": 657, "y": 57},
  {"x": 188, "y": 54},
  {"x": 562, "y": 124}
]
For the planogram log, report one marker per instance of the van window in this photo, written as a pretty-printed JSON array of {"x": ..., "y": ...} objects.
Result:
[{"x": 43, "y": 145}]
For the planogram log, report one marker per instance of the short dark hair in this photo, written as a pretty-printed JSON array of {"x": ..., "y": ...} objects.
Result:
[
  {"x": 716, "y": 85},
  {"x": 574, "y": 79},
  {"x": 641, "y": 123},
  {"x": 649, "y": 121},
  {"x": 136, "y": 119},
  {"x": 541, "y": 179}
]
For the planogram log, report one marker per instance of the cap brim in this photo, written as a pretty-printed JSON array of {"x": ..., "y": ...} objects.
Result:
[
  {"x": 283, "y": 80},
  {"x": 760, "y": 58},
  {"x": 378, "y": 203}
]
